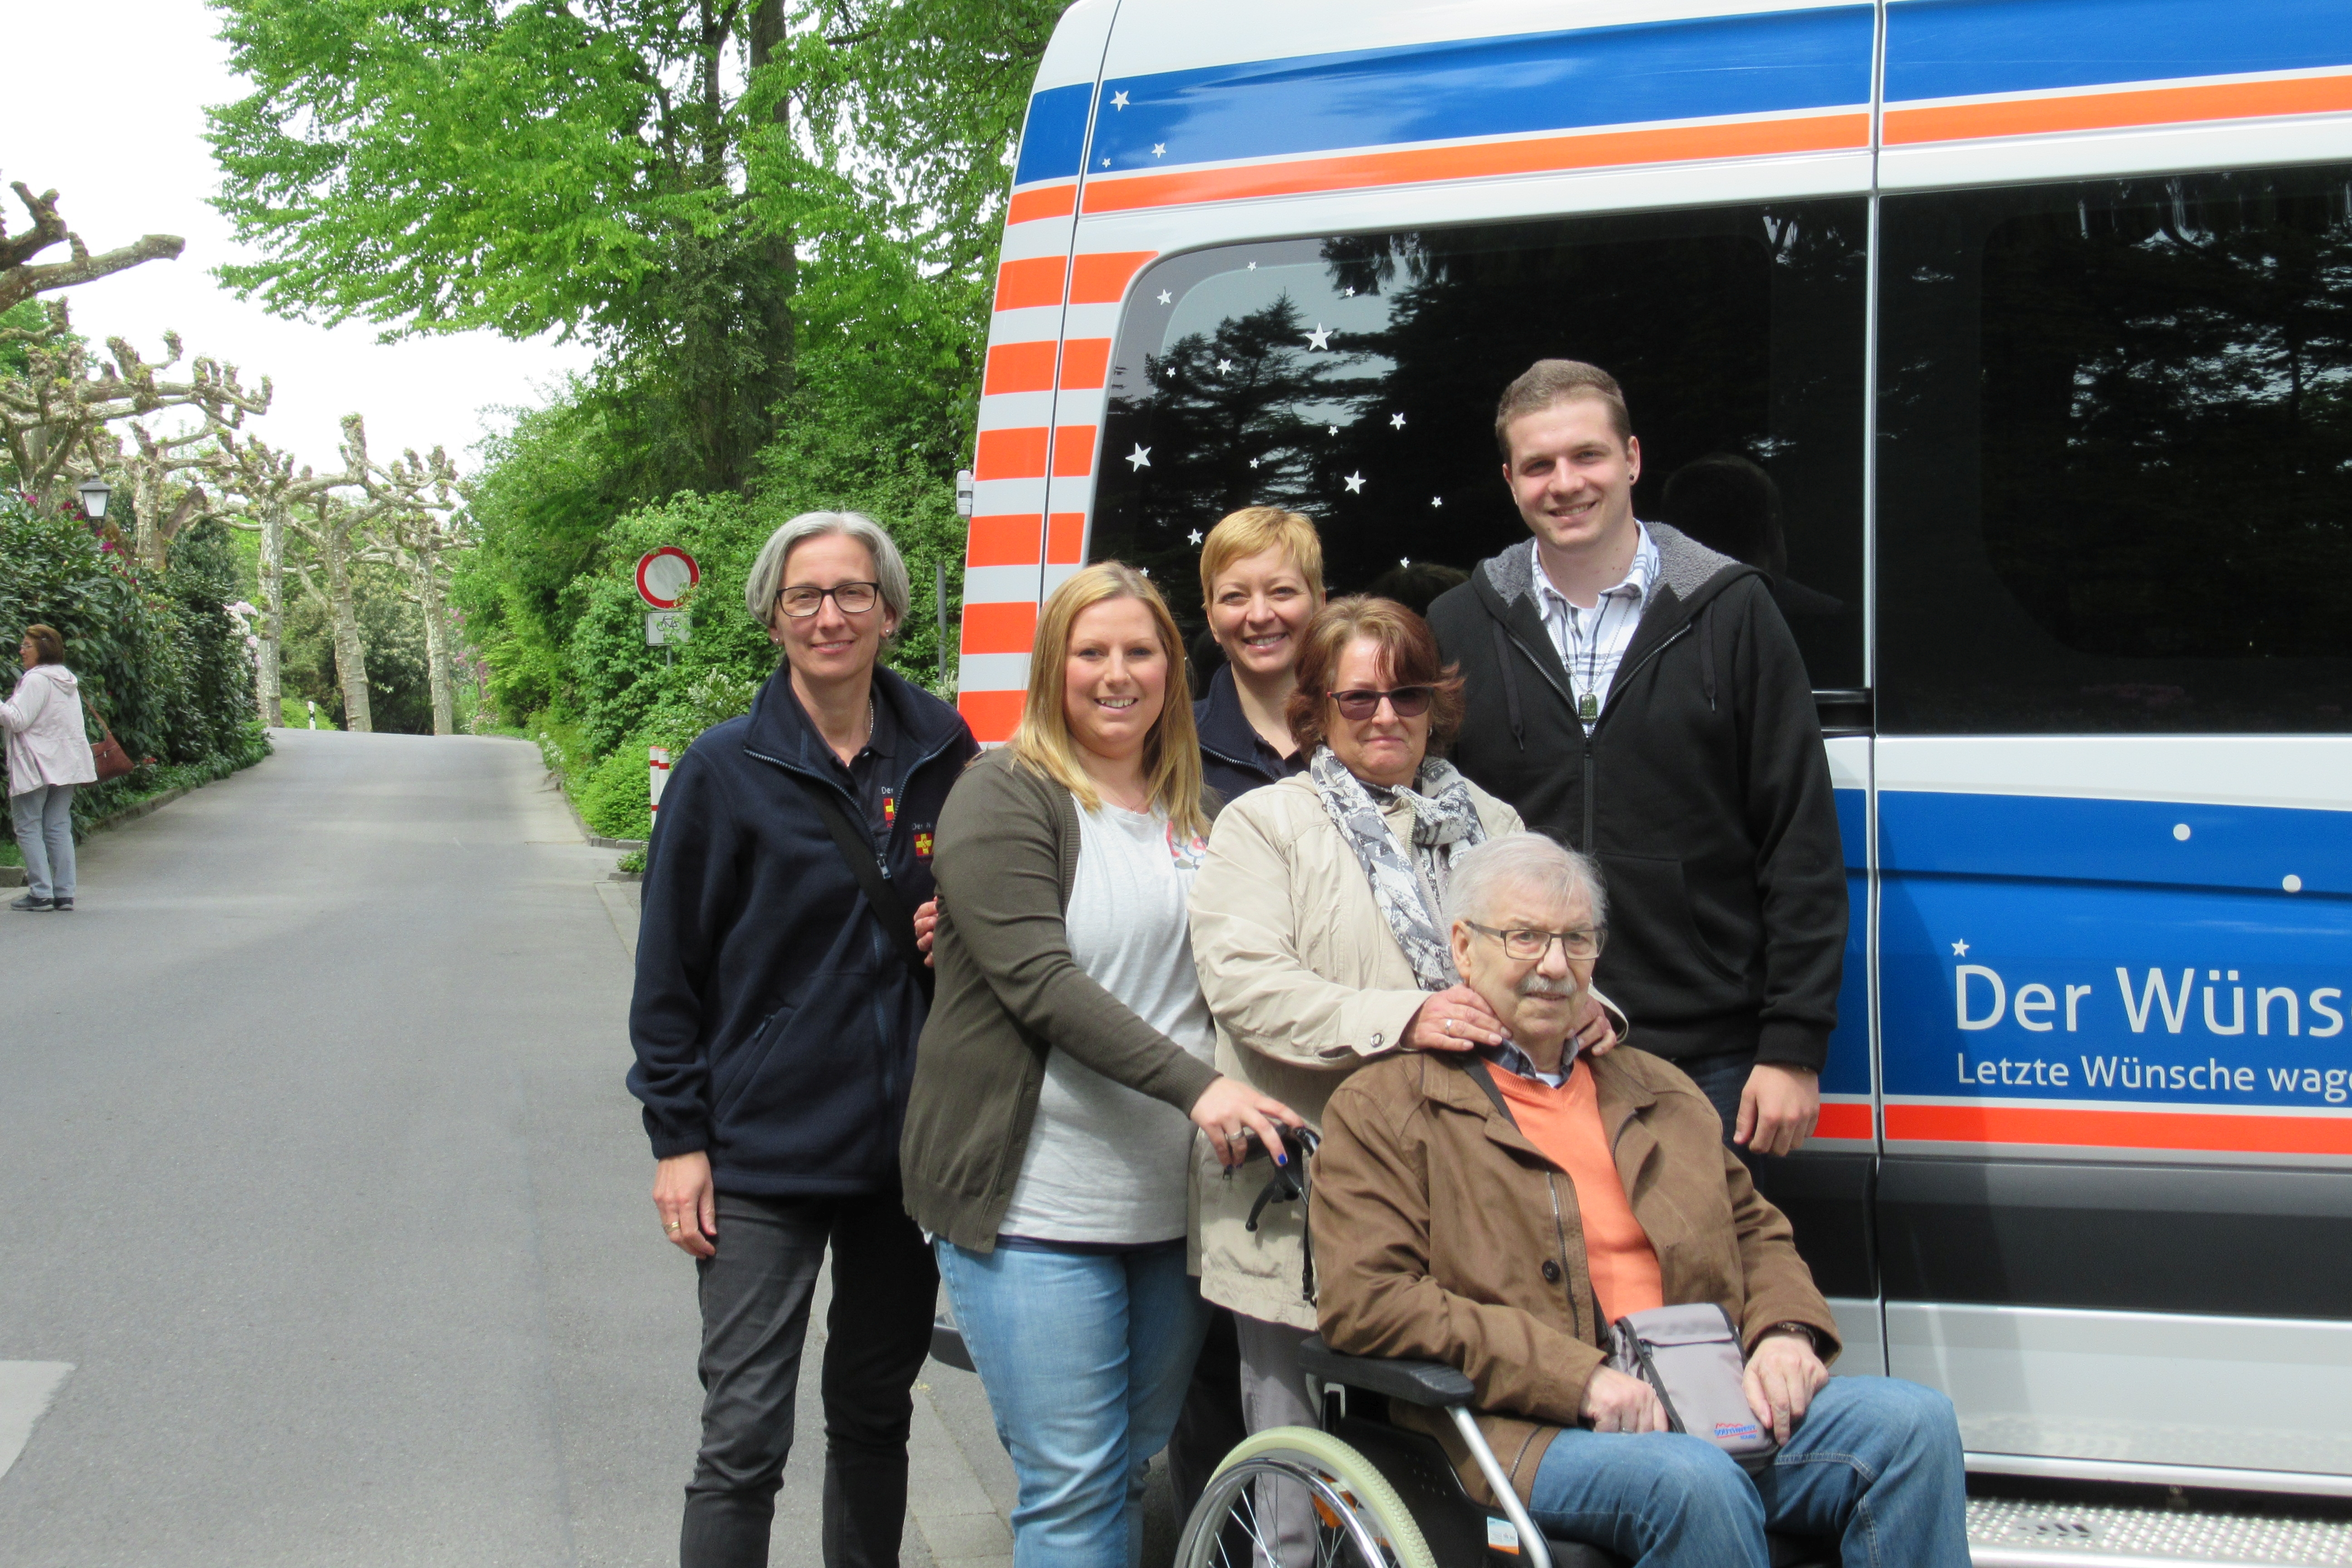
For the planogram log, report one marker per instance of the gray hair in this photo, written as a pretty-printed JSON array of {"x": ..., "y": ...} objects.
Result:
[
  {"x": 1481, "y": 874},
  {"x": 767, "y": 571}
]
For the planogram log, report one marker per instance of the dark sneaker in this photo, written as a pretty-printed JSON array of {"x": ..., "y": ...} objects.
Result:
[
  {"x": 63, "y": 906},
  {"x": 32, "y": 902}
]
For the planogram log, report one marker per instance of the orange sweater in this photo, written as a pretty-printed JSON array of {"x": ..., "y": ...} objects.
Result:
[{"x": 1564, "y": 1123}]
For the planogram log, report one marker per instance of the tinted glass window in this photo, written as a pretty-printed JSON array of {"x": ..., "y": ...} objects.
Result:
[
  {"x": 2116, "y": 461},
  {"x": 1355, "y": 380}
]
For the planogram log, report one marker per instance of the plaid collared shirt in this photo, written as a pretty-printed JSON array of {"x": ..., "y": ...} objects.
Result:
[
  {"x": 1592, "y": 643},
  {"x": 1512, "y": 1059}
]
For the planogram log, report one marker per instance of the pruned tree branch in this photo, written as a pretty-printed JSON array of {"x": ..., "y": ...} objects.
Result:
[{"x": 20, "y": 280}]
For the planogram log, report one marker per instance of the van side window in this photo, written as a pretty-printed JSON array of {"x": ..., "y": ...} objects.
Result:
[
  {"x": 2115, "y": 457},
  {"x": 1354, "y": 379}
]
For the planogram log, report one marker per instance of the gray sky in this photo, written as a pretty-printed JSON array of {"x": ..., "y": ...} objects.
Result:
[{"x": 114, "y": 120}]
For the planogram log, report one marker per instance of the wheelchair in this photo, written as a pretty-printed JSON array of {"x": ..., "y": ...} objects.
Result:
[{"x": 1375, "y": 1495}]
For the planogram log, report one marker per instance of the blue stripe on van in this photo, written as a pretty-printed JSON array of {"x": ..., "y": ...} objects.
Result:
[
  {"x": 1054, "y": 141},
  {"x": 1782, "y": 61},
  {"x": 1961, "y": 48},
  {"x": 2045, "y": 838}
]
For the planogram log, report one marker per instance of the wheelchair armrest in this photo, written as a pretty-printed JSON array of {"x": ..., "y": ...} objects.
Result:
[{"x": 1430, "y": 1383}]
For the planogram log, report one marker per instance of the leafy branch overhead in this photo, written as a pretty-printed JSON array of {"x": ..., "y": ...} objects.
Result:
[{"x": 20, "y": 280}]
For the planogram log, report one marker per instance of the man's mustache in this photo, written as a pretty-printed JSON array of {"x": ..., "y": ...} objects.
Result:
[{"x": 1543, "y": 985}]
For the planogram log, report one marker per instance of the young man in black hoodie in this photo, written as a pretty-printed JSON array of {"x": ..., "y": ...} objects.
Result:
[{"x": 1638, "y": 696}]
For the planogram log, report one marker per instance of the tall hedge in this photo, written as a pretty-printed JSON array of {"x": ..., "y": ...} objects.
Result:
[{"x": 158, "y": 654}]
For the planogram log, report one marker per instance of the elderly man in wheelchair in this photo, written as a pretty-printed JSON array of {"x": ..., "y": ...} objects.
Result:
[{"x": 1485, "y": 1228}]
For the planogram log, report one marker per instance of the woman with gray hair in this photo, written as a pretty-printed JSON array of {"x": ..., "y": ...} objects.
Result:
[{"x": 780, "y": 992}]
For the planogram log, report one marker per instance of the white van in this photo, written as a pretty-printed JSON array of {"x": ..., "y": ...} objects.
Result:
[{"x": 2014, "y": 338}]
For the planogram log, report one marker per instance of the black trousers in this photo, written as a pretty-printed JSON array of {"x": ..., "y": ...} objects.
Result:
[
  {"x": 1210, "y": 1425},
  {"x": 755, "y": 1310}
]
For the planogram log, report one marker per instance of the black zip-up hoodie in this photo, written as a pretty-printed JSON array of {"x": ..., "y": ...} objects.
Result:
[
  {"x": 1702, "y": 791},
  {"x": 774, "y": 1019},
  {"x": 1235, "y": 758}
]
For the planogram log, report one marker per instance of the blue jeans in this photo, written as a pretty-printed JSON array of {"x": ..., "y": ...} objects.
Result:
[
  {"x": 1722, "y": 1079},
  {"x": 1875, "y": 1463},
  {"x": 44, "y": 820},
  {"x": 1086, "y": 1357}
]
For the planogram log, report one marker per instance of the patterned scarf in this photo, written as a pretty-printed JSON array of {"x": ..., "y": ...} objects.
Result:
[{"x": 1409, "y": 892}]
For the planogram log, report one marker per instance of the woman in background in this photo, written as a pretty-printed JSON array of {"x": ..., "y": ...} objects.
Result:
[
  {"x": 48, "y": 755},
  {"x": 1066, "y": 1065}
]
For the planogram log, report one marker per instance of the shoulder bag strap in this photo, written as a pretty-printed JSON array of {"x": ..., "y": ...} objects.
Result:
[
  {"x": 857, "y": 853},
  {"x": 104, "y": 728}
]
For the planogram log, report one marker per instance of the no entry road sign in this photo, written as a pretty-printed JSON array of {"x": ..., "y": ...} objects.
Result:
[{"x": 664, "y": 576}]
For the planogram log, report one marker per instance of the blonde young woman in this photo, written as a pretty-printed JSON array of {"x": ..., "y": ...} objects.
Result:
[
  {"x": 1066, "y": 1064},
  {"x": 1261, "y": 582}
]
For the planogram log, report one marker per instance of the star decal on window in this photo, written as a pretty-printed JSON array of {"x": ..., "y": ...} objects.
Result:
[
  {"x": 1396, "y": 421},
  {"x": 1320, "y": 338},
  {"x": 1140, "y": 460},
  {"x": 1224, "y": 365},
  {"x": 1436, "y": 500},
  {"x": 1355, "y": 483},
  {"x": 1193, "y": 537}
]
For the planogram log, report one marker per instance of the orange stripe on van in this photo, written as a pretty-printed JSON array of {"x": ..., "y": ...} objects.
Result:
[
  {"x": 1020, "y": 367},
  {"x": 1053, "y": 201},
  {"x": 999, "y": 629},
  {"x": 1005, "y": 539},
  {"x": 991, "y": 714},
  {"x": 2226, "y": 1132},
  {"x": 1066, "y": 538},
  {"x": 1033, "y": 280},
  {"x": 1015, "y": 454},
  {"x": 1844, "y": 1121},
  {"x": 1750, "y": 138},
  {"x": 1102, "y": 280},
  {"x": 1074, "y": 451},
  {"x": 1085, "y": 363},
  {"x": 2116, "y": 111}
]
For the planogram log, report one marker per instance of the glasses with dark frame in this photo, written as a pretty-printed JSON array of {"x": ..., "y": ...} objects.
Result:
[
  {"x": 849, "y": 598},
  {"x": 1406, "y": 702},
  {"x": 1524, "y": 944}
]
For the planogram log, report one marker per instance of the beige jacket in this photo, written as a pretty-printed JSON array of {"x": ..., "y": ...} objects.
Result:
[{"x": 1307, "y": 985}]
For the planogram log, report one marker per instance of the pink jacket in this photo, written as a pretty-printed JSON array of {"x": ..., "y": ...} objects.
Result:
[{"x": 46, "y": 742}]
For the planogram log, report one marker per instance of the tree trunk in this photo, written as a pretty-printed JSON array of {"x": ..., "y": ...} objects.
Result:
[
  {"x": 773, "y": 382},
  {"x": 351, "y": 653},
  {"x": 272, "y": 589},
  {"x": 436, "y": 643}
]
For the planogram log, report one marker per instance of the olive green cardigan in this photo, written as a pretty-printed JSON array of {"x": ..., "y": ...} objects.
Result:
[{"x": 1007, "y": 857}]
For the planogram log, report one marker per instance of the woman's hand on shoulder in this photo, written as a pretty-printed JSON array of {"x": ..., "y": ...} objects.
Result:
[
  {"x": 1597, "y": 1036},
  {"x": 1228, "y": 1108},
  {"x": 1455, "y": 1019}
]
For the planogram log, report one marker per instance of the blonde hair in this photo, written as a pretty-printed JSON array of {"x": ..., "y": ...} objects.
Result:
[
  {"x": 1043, "y": 742},
  {"x": 1255, "y": 529}
]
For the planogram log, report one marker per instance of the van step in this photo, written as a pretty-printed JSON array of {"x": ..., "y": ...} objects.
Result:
[{"x": 2013, "y": 1532}]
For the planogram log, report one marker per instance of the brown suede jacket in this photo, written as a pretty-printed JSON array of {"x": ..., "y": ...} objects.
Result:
[{"x": 1440, "y": 1234}]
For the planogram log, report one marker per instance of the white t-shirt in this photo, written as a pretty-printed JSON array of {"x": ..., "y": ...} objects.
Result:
[{"x": 1103, "y": 1163}]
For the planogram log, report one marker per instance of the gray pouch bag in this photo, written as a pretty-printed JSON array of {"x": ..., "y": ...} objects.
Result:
[{"x": 1691, "y": 1355}]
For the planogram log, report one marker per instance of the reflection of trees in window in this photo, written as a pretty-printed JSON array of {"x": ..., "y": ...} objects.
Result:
[
  {"x": 2167, "y": 437},
  {"x": 1222, "y": 416}
]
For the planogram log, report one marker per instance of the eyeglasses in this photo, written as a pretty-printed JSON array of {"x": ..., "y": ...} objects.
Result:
[
  {"x": 1407, "y": 701},
  {"x": 1527, "y": 946},
  {"x": 849, "y": 598}
]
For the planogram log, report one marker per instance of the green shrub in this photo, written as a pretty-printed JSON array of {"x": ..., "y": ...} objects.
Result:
[{"x": 614, "y": 797}]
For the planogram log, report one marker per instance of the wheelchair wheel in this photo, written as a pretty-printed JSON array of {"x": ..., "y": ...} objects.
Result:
[{"x": 1339, "y": 1512}]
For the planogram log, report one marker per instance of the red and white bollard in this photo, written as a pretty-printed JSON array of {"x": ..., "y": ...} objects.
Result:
[{"x": 659, "y": 759}]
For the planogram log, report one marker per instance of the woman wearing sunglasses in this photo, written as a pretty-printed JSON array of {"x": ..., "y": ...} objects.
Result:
[{"x": 1319, "y": 927}]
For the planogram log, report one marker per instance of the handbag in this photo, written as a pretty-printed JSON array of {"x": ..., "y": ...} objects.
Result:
[
  {"x": 857, "y": 853},
  {"x": 1690, "y": 1354},
  {"x": 108, "y": 756}
]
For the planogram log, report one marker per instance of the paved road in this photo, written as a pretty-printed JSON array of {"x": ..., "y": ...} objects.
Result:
[{"x": 316, "y": 1168}]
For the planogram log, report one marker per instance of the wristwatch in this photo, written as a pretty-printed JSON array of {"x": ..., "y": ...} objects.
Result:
[{"x": 1812, "y": 1335}]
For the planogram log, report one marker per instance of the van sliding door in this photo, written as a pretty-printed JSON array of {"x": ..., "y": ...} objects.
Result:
[{"x": 2114, "y": 815}]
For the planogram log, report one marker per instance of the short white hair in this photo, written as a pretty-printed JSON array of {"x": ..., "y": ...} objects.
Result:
[
  {"x": 1483, "y": 873},
  {"x": 767, "y": 578}
]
